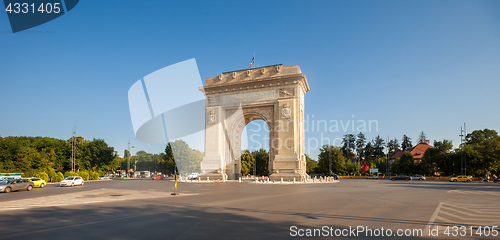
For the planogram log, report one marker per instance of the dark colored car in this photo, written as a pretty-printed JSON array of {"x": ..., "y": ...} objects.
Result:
[
  {"x": 496, "y": 180},
  {"x": 15, "y": 185},
  {"x": 401, "y": 177}
]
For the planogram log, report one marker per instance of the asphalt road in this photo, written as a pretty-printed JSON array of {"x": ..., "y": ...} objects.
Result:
[{"x": 144, "y": 209}]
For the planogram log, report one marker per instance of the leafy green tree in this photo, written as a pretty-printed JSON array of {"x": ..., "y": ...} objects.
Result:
[
  {"x": 360, "y": 145},
  {"x": 143, "y": 161},
  {"x": 393, "y": 146},
  {"x": 443, "y": 146},
  {"x": 112, "y": 166},
  {"x": 406, "y": 143},
  {"x": 348, "y": 145},
  {"x": 405, "y": 164},
  {"x": 482, "y": 152},
  {"x": 331, "y": 155},
  {"x": 381, "y": 164},
  {"x": 369, "y": 152},
  {"x": 261, "y": 162},
  {"x": 58, "y": 177},
  {"x": 187, "y": 159},
  {"x": 246, "y": 163},
  {"x": 352, "y": 168},
  {"x": 429, "y": 164},
  {"x": 70, "y": 173},
  {"x": 94, "y": 175},
  {"x": 378, "y": 147},
  {"x": 42, "y": 175},
  {"x": 482, "y": 137},
  {"x": 169, "y": 162},
  {"x": 50, "y": 172},
  {"x": 84, "y": 174},
  {"x": 310, "y": 164},
  {"x": 97, "y": 153}
]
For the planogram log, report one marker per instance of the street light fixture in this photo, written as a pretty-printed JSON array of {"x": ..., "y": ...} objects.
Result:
[
  {"x": 128, "y": 159},
  {"x": 463, "y": 162}
]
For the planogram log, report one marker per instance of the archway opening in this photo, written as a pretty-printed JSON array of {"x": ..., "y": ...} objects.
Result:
[{"x": 255, "y": 149}]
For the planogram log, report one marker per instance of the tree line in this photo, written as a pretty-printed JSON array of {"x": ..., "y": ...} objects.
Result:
[
  {"x": 45, "y": 156},
  {"x": 357, "y": 147},
  {"x": 177, "y": 156},
  {"x": 261, "y": 160},
  {"x": 479, "y": 155}
]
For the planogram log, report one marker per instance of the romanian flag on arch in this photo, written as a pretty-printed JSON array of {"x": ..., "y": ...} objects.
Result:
[{"x": 252, "y": 62}]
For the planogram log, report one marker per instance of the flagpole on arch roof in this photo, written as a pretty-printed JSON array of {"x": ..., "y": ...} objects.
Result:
[{"x": 252, "y": 62}]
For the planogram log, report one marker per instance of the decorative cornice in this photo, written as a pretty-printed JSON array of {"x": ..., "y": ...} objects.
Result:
[
  {"x": 264, "y": 77},
  {"x": 264, "y": 83}
]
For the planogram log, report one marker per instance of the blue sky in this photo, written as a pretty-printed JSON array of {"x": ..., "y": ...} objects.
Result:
[{"x": 410, "y": 65}]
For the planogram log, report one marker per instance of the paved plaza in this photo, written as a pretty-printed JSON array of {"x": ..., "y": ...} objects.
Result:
[{"x": 144, "y": 209}]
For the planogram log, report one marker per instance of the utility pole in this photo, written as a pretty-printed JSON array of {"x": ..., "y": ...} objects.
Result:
[
  {"x": 254, "y": 168},
  {"x": 330, "y": 160},
  {"x": 128, "y": 159},
  {"x": 387, "y": 158},
  {"x": 463, "y": 161},
  {"x": 73, "y": 154}
]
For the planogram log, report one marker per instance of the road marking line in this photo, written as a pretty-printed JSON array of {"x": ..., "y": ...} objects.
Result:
[
  {"x": 475, "y": 192},
  {"x": 433, "y": 217},
  {"x": 463, "y": 214},
  {"x": 84, "y": 197},
  {"x": 473, "y": 214}
]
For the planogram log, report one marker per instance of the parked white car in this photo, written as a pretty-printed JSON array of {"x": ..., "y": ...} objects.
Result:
[
  {"x": 9, "y": 177},
  {"x": 105, "y": 177},
  {"x": 192, "y": 176},
  {"x": 71, "y": 181}
]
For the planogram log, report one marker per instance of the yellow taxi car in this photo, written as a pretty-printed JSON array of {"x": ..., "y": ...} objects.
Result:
[
  {"x": 461, "y": 178},
  {"x": 37, "y": 181}
]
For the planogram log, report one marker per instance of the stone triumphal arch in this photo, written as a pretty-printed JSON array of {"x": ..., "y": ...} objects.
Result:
[{"x": 274, "y": 94}]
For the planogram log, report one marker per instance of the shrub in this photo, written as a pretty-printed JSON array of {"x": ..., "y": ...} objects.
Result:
[
  {"x": 95, "y": 175},
  {"x": 51, "y": 172},
  {"x": 58, "y": 177},
  {"x": 70, "y": 173},
  {"x": 84, "y": 175},
  {"x": 42, "y": 175},
  {"x": 7, "y": 175},
  {"x": 28, "y": 173}
]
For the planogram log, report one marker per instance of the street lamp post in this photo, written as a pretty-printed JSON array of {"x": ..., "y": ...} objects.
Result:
[
  {"x": 387, "y": 158},
  {"x": 330, "y": 160},
  {"x": 255, "y": 169},
  {"x": 463, "y": 161},
  {"x": 128, "y": 159},
  {"x": 73, "y": 151}
]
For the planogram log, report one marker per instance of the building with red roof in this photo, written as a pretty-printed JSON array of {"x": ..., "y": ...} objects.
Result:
[{"x": 417, "y": 152}]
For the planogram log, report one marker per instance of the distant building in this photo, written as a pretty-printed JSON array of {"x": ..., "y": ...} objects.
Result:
[{"x": 417, "y": 152}]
